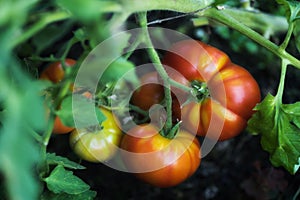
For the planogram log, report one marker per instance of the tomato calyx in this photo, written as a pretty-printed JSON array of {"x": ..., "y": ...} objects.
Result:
[
  {"x": 200, "y": 90},
  {"x": 170, "y": 134}
]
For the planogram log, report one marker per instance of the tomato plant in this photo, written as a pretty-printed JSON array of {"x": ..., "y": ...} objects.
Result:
[
  {"x": 150, "y": 92},
  {"x": 97, "y": 145},
  {"x": 214, "y": 96},
  {"x": 55, "y": 73},
  {"x": 172, "y": 162},
  {"x": 226, "y": 92}
]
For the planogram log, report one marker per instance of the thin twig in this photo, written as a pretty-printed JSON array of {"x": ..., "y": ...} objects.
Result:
[{"x": 158, "y": 21}]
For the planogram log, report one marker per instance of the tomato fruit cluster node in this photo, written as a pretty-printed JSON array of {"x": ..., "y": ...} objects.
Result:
[{"x": 200, "y": 90}]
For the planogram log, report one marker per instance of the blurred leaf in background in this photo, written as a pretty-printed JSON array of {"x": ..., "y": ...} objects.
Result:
[
  {"x": 22, "y": 118},
  {"x": 22, "y": 113}
]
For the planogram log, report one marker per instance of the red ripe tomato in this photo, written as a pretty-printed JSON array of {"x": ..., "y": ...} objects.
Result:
[
  {"x": 150, "y": 92},
  {"x": 233, "y": 92},
  {"x": 169, "y": 162},
  {"x": 55, "y": 72}
]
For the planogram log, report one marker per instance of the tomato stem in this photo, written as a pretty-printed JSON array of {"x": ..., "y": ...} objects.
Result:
[
  {"x": 160, "y": 69},
  {"x": 34, "y": 134},
  {"x": 172, "y": 133},
  {"x": 284, "y": 64},
  {"x": 288, "y": 36},
  {"x": 134, "y": 45},
  {"x": 280, "y": 90},
  {"x": 180, "y": 86},
  {"x": 225, "y": 18},
  {"x": 138, "y": 110},
  {"x": 296, "y": 194},
  {"x": 279, "y": 95},
  {"x": 44, "y": 168},
  {"x": 117, "y": 21},
  {"x": 65, "y": 54},
  {"x": 47, "y": 135}
]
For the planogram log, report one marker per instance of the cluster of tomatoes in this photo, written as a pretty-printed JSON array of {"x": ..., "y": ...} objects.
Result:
[
  {"x": 224, "y": 95},
  {"x": 91, "y": 144}
]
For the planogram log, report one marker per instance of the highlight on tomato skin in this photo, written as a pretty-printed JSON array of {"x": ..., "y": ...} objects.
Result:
[
  {"x": 233, "y": 92},
  {"x": 169, "y": 162}
]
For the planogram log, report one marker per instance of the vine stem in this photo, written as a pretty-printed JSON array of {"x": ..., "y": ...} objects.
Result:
[
  {"x": 138, "y": 110},
  {"x": 284, "y": 64},
  {"x": 43, "y": 166},
  {"x": 281, "y": 83},
  {"x": 180, "y": 86},
  {"x": 278, "y": 97},
  {"x": 160, "y": 69},
  {"x": 218, "y": 15},
  {"x": 288, "y": 36},
  {"x": 297, "y": 194},
  {"x": 47, "y": 135}
]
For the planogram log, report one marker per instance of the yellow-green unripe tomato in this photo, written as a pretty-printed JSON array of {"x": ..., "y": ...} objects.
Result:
[{"x": 99, "y": 145}]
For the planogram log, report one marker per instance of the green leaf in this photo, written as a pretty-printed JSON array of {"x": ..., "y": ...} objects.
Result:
[
  {"x": 263, "y": 23},
  {"x": 114, "y": 66},
  {"x": 53, "y": 159},
  {"x": 24, "y": 111},
  {"x": 116, "y": 70},
  {"x": 296, "y": 33},
  {"x": 49, "y": 36},
  {"x": 279, "y": 127},
  {"x": 89, "y": 9},
  {"x": 105, "y": 63},
  {"x": 87, "y": 195},
  {"x": 14, "y": 12},
  {"x": 82, "y": 107},
  {"x": 61, "y": 180},
  {"x": 292, "y": 8},
  {"x": 24, "y": 114}
]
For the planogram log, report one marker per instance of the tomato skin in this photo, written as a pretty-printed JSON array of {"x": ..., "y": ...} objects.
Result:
[
  {"x": 98, "y": 146},
  {"x": 60, "y": 128},
  {"x": 55, "y": 72},
  {"x": 162, "y": 169},
  {"x": 225, "y": 125},
  {"x": 241, "y": 90},
  {"x": 193, "y": 59},
  {"x": 150, "y": 92},
  {"x": 233, "y": 90}
]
